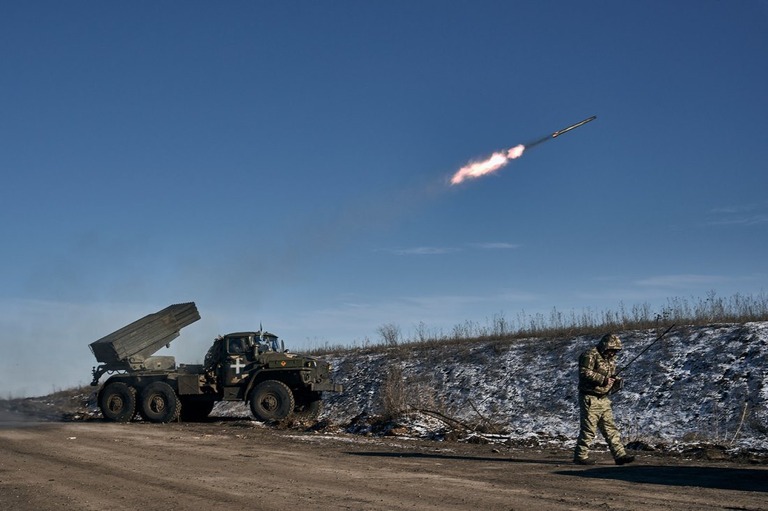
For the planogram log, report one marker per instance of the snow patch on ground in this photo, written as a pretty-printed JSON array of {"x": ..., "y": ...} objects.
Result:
[{"x": 698, "y": 384}]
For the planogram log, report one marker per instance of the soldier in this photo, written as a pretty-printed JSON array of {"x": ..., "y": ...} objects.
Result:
[{"x": 597, "y": 371}]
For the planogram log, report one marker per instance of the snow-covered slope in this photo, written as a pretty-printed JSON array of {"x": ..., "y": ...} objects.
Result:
[{"x": 698, "y": 383}]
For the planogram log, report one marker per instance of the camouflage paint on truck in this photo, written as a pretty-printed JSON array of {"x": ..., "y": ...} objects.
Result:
[{"x": 244, "y": 366}]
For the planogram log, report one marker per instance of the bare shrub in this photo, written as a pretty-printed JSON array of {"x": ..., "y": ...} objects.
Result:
[
  {"x": 500, "y": 328},
  {"x": 390, "y": 334},
  {"x": 392, "y": 392},
  {"x": 422, "y": 334}
]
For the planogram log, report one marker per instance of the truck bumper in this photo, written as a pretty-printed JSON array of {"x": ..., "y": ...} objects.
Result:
[{"x": 326, "y": 387}]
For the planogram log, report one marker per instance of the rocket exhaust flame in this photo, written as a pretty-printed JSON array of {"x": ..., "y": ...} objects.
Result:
[
  {"x": 500, "y": 158},
  {"x": 492, "y": 164}
]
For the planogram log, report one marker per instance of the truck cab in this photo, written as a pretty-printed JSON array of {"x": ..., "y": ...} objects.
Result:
[{"x": 243, "y": 362}]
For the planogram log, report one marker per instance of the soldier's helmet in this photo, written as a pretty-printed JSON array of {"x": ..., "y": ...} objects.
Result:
[{"x": 609, "y": 342}]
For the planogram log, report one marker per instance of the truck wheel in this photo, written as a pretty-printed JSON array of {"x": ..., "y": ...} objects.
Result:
[
  {"x": 309, "y": 406},
  {"x": 118, "y": 402},
  {"x": 271, "y": 400},
  {"x": 159, "y": 403},
  {"x": 309, "y": 410}
]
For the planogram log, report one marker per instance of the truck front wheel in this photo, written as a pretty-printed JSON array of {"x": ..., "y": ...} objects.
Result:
[
  {"x": 159, "y": 403},
  {"x": 308, "y": 406},
  {"x": 118, "y": 402},
  {"x": 271, "y": 400}
]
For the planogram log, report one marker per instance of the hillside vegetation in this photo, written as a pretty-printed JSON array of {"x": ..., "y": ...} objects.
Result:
[
  {"x": 704, "y": 382},
  {"x": 699, "y": 384},
  {"x": 738, "y": 308}
]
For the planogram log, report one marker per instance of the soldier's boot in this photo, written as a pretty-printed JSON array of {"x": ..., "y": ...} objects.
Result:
[
  {"x": 584, "y": 461},
  {"x": 623, "y": 460}
]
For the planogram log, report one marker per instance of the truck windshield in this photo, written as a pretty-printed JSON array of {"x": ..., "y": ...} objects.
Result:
[{"x": 269, "y": 343}]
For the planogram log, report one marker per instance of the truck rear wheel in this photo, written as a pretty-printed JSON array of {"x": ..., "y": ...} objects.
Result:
[
  {"x": 271, "y": 400},
  {"x": 159, "y": 403},
  {"x": 118, "y": 402}
]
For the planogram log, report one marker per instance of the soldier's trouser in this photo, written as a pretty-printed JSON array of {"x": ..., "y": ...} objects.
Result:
[{"x": 596, "y": 414}]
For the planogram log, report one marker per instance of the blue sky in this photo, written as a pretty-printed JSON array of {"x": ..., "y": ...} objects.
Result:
[{"x": 286, "y": 163}]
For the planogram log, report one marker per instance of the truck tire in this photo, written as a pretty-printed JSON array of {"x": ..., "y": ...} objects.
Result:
[
  {"x": 118, "y": 402},
  {"x": 271, "y": 400},
  {"x": 308, "y": 406},
  {"x": 310, "y": 411},
  {"x": 159, "y": 403}
]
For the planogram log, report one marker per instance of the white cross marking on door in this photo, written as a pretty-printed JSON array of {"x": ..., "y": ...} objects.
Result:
[{"x": 237, "y": 365}]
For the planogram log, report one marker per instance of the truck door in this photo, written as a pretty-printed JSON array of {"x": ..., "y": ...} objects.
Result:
[{"x": 235, "y": 360}]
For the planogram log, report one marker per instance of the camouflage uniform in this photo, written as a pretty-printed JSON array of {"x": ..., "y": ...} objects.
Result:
[{"x": 595, "y": 369}]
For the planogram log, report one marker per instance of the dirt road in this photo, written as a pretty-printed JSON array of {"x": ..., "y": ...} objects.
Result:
[{"x": 243, "y": 465}]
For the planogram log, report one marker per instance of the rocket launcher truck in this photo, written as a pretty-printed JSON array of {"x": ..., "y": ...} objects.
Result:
[{"x": 244, "y": 366}]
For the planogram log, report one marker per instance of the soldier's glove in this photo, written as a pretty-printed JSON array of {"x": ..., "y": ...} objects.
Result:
[{"x": 618, "y": 384}]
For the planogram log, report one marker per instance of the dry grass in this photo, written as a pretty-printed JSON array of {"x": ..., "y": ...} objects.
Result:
[{"x": 737, "y": 308}]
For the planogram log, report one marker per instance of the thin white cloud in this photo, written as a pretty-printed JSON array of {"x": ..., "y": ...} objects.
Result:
[
  {"x": 681, "y": 280},
  {"x": 423, "y": 250},
  {"x": 353, "y": 315},
  {"x": 742, "y": 220},
  {"x": 495, "y": 246},
  {"x": 741, "y": 208},
  {"x": 426, "y": 250},
  {"x": 743, "y": 214},
  {"x": 725, "y": 210}
]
